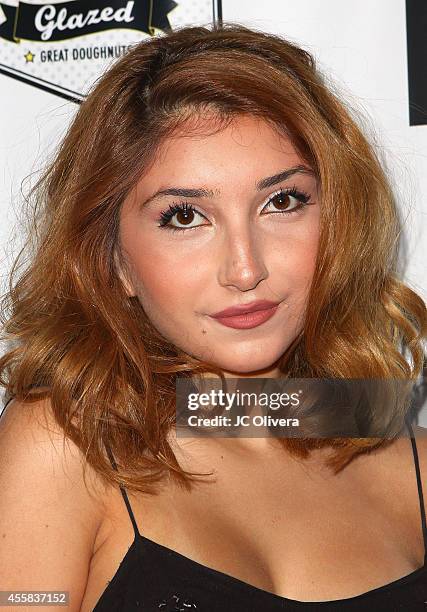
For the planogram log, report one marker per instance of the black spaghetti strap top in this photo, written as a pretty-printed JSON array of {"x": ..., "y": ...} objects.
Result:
[{"x": 153, "y": 577}]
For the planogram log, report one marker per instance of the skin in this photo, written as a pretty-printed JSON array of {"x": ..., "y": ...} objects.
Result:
[{"x": 242, "y": 250}]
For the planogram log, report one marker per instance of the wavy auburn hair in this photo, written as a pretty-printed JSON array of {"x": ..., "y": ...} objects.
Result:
[{"x": 79, "y": 340}]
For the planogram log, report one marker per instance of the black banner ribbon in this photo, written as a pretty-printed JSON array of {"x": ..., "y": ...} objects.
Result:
[
  {"x": 57, "y": 22},
  {"x": 7, "y": 21}
]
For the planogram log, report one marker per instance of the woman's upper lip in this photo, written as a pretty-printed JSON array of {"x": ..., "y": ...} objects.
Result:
[{"x": 244, "y": 308}]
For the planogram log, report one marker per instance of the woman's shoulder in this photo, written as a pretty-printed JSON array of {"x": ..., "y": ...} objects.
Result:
[
  {"x": 32, "y": 442},
  {"x": 31, "y": 428},
  {"x": 46, "y": 506},
  {"x": 403, "y": 456}
]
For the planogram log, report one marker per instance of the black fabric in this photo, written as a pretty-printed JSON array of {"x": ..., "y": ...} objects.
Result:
[{"x": 154, "y": 577}]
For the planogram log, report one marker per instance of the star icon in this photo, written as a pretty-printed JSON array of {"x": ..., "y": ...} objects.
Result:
[{"x": 29, "y": 57}]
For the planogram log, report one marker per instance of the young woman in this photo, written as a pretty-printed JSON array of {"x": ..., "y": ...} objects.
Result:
[{"x": 209, "y": 169}]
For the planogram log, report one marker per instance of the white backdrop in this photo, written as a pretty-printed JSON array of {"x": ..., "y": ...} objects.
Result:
[{"x": 359, "y": 44}]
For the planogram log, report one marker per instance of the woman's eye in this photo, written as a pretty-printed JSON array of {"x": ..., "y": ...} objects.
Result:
[
  {"x": 288, "y": 202},
  {"x": 183, "y": 216}
]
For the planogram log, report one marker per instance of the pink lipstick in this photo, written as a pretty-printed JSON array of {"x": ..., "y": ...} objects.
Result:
[{"x": 246, "y": 316}]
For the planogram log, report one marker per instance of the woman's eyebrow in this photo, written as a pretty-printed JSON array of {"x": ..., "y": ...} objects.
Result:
[
  {"x": 282, "y": 176},
  {"x": 209, "y": 193}
]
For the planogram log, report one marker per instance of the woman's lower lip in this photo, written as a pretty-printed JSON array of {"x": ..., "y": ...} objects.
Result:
[{"x": 248, "y": 319}]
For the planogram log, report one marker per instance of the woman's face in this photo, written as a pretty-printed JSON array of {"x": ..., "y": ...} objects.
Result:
[{"x": 228, "y": 237}]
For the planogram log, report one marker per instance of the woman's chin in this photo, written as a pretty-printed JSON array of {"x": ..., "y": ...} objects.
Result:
[{"x": 247, "y": 366}]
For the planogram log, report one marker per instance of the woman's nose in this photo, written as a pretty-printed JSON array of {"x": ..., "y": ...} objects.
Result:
[{"x": 241, "y": 262}]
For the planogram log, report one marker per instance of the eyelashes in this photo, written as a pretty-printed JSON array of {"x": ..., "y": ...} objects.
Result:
[{"x": 186, "y": 212}]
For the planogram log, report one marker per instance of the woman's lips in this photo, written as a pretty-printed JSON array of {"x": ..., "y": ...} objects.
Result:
[
  {"x": 249, "y": 319},
  {"x": 239, "y": 309}
]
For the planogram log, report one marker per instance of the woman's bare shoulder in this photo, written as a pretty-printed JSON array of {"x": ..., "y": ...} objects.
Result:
[
  {"x": 29, "y": 430},
  {"x": 49, "y": 515},
  {"x": 404, "y": 456}
]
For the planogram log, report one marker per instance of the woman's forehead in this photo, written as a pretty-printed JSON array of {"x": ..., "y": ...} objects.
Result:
[{"x": 215, "y": 153}]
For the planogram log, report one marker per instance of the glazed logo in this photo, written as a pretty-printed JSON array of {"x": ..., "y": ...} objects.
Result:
[
  {"x": 48, "y": 19},
  {"x": 48, "y": 44},
  {"x": 57, "y": 22}
]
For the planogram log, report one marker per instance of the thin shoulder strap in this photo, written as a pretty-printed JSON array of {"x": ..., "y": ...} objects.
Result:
[
  {"x": 123, "y": 491},
  {"x": 419, "y": 485}
]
